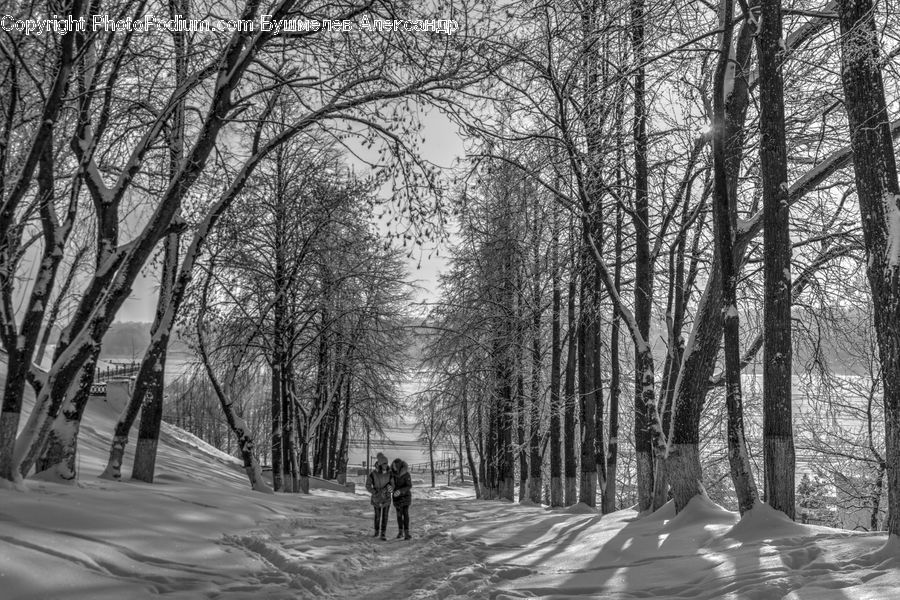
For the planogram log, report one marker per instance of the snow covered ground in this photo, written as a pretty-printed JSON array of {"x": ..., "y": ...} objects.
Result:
[{"x": 201, "y": 533}]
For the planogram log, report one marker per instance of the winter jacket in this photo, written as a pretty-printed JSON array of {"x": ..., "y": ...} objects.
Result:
[
  {"x": 403, "y": 485},
  {"x": 379, "y": 483}
]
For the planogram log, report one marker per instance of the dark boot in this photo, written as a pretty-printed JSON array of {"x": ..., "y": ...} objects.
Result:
[
  {"x": 399, "y": 534},
  {"x": 375, "y": 534},
  {"x": 406, "y": 535},
  {"x": 382, "y": 538}
]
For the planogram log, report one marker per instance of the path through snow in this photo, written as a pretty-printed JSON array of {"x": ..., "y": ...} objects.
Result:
[
  {"x": 332, "y": 554},
  {"x": 199, "y": 533},
  {"x": 470, "y": 549}
]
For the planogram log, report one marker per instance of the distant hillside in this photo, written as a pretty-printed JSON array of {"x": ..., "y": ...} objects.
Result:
[{"x": 131, "y": 339}]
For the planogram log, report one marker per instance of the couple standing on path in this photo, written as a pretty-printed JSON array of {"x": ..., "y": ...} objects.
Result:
[{"x": 385, "y": 483}]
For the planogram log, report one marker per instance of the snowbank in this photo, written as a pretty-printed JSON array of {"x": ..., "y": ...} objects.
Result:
[
  {"x": 199, "y": 532},
  {"x": 763, "y": 522}
]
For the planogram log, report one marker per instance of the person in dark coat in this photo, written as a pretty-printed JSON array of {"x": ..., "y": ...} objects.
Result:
[
  {"x": 402, "y": 496},
  {"x": 380, "y": 483}
]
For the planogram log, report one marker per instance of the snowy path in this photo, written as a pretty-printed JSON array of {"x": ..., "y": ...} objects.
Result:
[
  {"x": 469, "y": 549},
  {"x": 200, "y": 533},
  {"x": 184, "y": 540},
  {"x": 333, "y": 554}
]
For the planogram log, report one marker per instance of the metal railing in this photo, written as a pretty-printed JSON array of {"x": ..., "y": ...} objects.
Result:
[
  {"x": 113, "y": 371},
  {"x": 440, "y": 466},
  {"x": 117, "y": 370}
]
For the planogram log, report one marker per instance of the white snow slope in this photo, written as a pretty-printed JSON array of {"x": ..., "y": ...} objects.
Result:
[{"x": 199, "y": 532}]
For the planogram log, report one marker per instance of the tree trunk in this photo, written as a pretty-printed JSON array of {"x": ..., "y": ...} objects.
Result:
[
  {"x": 465, "y": 434},
  {"x": 275, "y": 405},
  {"x": 615, "y": 386},
  {"x": 331, "y": 464},
  {"x": 510, "y": 362},
  {"x": 877, "y": 188},
  {"x": 556, "y": 485},
  {"x": 58, "y": 459},
  {"x": 293, "y": 413},
  {"x": 587, "y": 489},
  {"x": 778, "y": 435},
  {"x": 486, "y": 452},
  {"x": 235, "y": 422},
  {"x": 535, "y": 481},
  {"x": 490, "y": 457},
  {"x": 680, "y": 286},
  {"x": 151, "y": 413},
  {"x": 571, "y": 466},
  {"x": 345, "y": 430},
  {"x": 506, "y": 472},
  {"x": 702, "y": 348},
  {"x": 590, "y": 370},
  {"x": 288, "y": 425},
  {"x": 323, "y": 391},
  {"x": 431, "y": 451},
  {"x": 20, "y": 344},
  {"x": 643, "y": 275},
  {"x": 144, "y": 466},
  {"x": 303, "y": 453},
  {"x": 535, "y": 476},
  {"x": 53, "y": 316},
  {"x": 521, "y": 450},
  {"x": 460, "y": 458},
  {"x": 597, "y": 384},
  {"x": 877, "y": 490},
  {"x": 741, "y": 475}
]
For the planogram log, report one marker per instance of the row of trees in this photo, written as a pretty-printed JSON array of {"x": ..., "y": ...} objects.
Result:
[
  {"x": 677, "y": 173},
  {"x": 591, "y": 183},
  {"x": 128, "y": 149},
  {"x": 300, "y": 287}
]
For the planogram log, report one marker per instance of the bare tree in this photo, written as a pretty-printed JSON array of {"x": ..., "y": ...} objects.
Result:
[
  {"x": 777, "y": 423},
  {"x": 878, "y": 192}
]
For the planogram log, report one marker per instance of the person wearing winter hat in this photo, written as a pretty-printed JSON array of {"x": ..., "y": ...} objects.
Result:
[
  {"x": 402, "y": 496},
  {"x": 380, "y": 484}
]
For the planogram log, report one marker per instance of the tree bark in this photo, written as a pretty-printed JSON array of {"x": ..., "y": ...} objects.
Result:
[
  {"x": 58, "y": 459},
  {"x": 615, "y": 381},
  {"x": 153, "y": 393},
  {"x": 431, "y": 451},
  {"x": 724, "y": 218},
  {"x": 521, "y": 446},
  {"x": 345, "y": 429},
  {"x": 587, "y": 489},
  {"x": 506, "y": 471},
  {"x": 702, "y": 348},
  {"x": 151, "y": 415},
  {"x": 535, "y": 481},
  {"x": 597, "y": 384},
  {"x": 20, "y": 344},
  {"x": 491, "y": 435},
  {"x": 557, "y": 497},
  {"x": 276, "y": 402},
  {"x": 643, "y": 276},
  {"x": 877, "y": 188},
  {"x": 465, "y": 434},
  {"x": 571, "y": 466},
  {"x": 778, "y": 435},
  {"x": 237, "y": 424}
]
